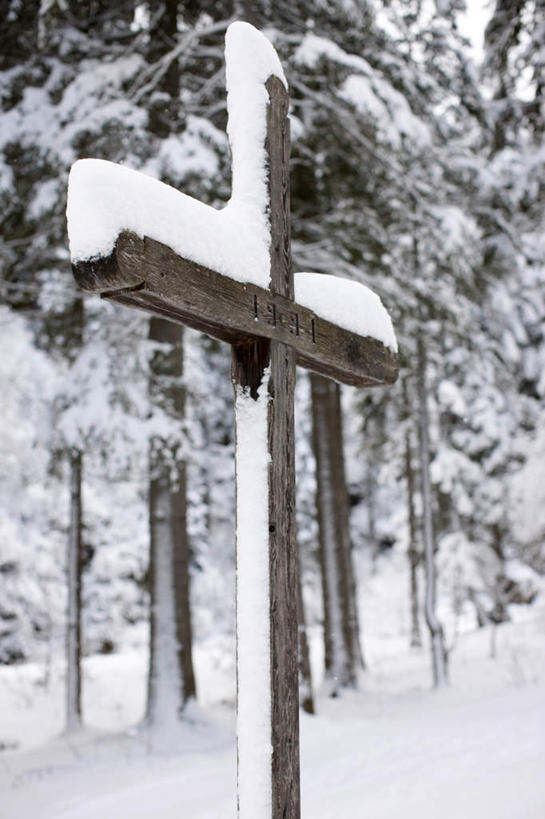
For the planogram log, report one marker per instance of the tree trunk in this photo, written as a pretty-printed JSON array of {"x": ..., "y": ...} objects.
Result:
[
  {"x": 171, "y": 680},
  {"x": 71, "y": 330},
  {"x": 413, "y": 552},
  {"x": 164, "y": 111},
  {"x": 500, "y": 612},
  {"x": 74, "y": 571},
  {"x": 439, "y": 664},
  {"x": 341, "y": 637},
  {"x": 348, "y": 577},
  {"x": 306, "y": 699},
  {"x": 182, "y": 556}
]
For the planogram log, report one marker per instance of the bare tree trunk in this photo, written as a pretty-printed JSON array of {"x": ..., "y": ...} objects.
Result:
[
  {"x": 348, "y": 577},
  {"x": 72, "y": 334},
  {"x": 171, "y": 680},
  {"x": 306, "y": 699},
  {"x": 341, "y": 637},
  {"x": 74, "y": 571},
  {"x": 182, "y": 556},
  {"x": 413, "y": 552},
  {"x": 500, "y": 612},
  {"x": 438, "y": 652},
  {"x": 336, "y": 660},
  {"x": 165, "y": 685}
]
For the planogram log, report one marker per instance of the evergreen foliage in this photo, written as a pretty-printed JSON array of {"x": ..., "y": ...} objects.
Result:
[{"x": 410, "y": 172}]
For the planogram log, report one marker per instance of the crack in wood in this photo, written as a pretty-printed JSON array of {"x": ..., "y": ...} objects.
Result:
[{"x": 112, "y": 294}]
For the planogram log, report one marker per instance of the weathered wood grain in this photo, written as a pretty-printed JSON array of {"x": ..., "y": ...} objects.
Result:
[
  {"x": 283, "y": 576},
  {"x": 146, "y": 274},
  {"x": 273, "y": 360}
]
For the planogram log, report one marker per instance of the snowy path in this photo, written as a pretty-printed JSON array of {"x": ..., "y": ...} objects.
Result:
[
  {"x": 431, "y": 759},
  {"x": 432, "y": 756},
  {"x": 474, "y": 751}
]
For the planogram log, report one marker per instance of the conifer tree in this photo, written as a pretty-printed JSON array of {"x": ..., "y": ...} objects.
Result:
[{"x": 171, "y": 681}]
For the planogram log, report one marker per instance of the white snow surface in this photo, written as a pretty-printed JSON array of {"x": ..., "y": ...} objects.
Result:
[
  {"x": 473, "y": 751},
  {"x": 250, "y": 60},
  {"x": 253, "y": 642},
  {"x": 347, "y": 303},
  {"x": 105, "y": 198}
]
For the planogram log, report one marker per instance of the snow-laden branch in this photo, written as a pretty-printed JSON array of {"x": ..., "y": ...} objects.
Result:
[{"x": 149, "y": 80}]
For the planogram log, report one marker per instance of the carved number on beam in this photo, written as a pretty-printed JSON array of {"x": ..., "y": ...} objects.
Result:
[{"x": 151, "y": 276}]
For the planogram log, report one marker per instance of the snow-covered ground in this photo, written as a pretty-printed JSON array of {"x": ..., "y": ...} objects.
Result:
[{"x": 474, "y": 750}]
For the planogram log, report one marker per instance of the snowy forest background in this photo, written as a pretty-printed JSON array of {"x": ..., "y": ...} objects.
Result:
[{"x": 418, "y": 168}]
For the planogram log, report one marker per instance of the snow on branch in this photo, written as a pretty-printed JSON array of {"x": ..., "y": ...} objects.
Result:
[{"x": 369, "y": 92}]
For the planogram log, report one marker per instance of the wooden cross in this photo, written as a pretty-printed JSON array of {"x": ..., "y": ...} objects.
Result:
[{"x": 269, "y": 334}]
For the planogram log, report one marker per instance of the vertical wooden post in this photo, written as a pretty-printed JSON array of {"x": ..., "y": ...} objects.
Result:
[
  {"x": 282, "y": 523},
  {"x": 258, "y": 366}
]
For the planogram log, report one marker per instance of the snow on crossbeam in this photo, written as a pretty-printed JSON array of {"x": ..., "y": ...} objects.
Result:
[
  {"x": 105, "y": 199},
  {"x": 181, "y": 258},
  {"x": 334, "y": 342},
  {"x": 347, "y": 303}
]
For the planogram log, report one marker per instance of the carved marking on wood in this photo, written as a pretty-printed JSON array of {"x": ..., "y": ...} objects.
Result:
[{"x": 190, "y": 294}]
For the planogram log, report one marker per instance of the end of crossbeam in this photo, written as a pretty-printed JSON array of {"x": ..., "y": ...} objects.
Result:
[{"x": 118, "y": 271}]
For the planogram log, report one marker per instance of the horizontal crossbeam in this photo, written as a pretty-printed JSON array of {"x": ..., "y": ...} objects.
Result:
[{"x": 146, "y": 274}]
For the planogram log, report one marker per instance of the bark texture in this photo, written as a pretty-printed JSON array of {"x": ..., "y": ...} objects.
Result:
[
  {"x": 438, "y": 653},
  {"x": 306, "y": 698},
  {"x": 343, "y": 656},
  {"x": 171, "y": 679},
  {"x": 274, "y": 362},
  {"x": 146, "y": 274},
  {"x": 72, "y": 323},
  {"x": 413, "y": 553}
]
